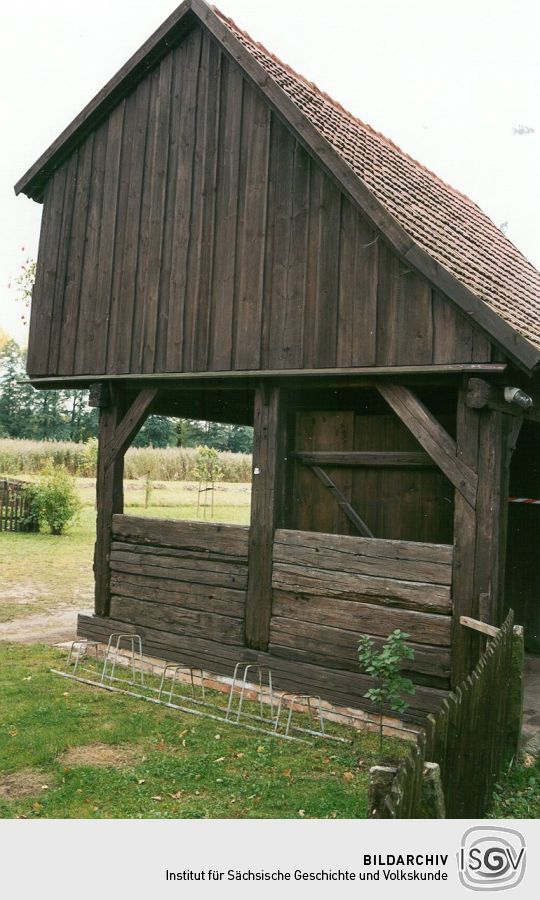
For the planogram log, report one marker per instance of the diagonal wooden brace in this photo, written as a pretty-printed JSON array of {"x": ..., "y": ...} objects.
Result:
[
  {"x": 433, "y": 438},
  {"x": 129, "y": 425}
]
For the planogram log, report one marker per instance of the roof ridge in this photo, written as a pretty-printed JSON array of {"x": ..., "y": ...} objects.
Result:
[{"x": 339, "y": 107}]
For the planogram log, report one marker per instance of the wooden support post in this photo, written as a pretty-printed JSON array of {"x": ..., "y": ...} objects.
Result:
[
  {"x": 497, "y": 440},
  {"x": 109, "y": 499},
  {"x": 485, "y": 440},
  {"x": 269, "y": 449},
  {"x": 465, "y": 644},
  {"x": 117, "y": 427}
]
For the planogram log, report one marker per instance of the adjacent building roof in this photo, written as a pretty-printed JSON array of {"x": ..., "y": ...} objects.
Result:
[{"x": 425, "y": 216}]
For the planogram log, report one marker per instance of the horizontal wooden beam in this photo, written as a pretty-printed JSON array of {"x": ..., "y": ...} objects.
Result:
[
  {"x": 45, "y": 381},
  {"x": 385, "y": 459},
  {"x": 433, "y": 438},
  {"x": 482, "y": 627}
]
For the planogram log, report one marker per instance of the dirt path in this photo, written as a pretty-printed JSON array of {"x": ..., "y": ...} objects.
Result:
[{"x": 49, "y": 628}]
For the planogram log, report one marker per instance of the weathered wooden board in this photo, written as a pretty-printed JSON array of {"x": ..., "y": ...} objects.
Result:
[
  {"x": 204, "y": 597},
  {"x": 136, "y": 556},
  {"x": 342, "y": 644},
  {"x": 179, "y": 574},
  {"x": 366, "y": 618},
  {"x": 231, "y": 563},
  {"x": 345, "y": 585},
  {"x": 180, "y": 620},
  {"x": 228, "y": 539},
  {"x": 402, "y": 560}
]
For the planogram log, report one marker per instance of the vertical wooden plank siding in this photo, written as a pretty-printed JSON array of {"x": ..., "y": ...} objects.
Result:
[
  {"x": 73, "y": 302},
  {"x": 201, "y": 236},
  {"x": 286, "y": 303},
  {"x": 107, "y": 244},
  {"x": 358, "y": 279},
  {"x": 251, "y": 244},
  {"x": 268, "y": 463},
  {"x": 119, "y": 238},
  {"x": 127, "y": 308},
  {"x": 204, "y": 239},
  {"x": 149, "y": 179},
  {"x": 86, "y": 337},
  {"x": 223, "y": 290},
  {"x": 452, "y": 333},
  {"x": 63, "y": 246},
  {"x": 186, "y": 79}
]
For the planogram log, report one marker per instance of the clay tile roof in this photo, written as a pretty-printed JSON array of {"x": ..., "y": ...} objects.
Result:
[{"x": 441, "y": 220}]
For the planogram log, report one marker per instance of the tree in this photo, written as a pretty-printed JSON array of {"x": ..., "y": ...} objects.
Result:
[
  {"x": 157, "y": 431},
  {"x": 13, "y": 421},
  {"x": 384, "y": 665}
]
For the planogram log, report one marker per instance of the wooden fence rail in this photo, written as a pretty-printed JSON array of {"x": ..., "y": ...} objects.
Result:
[
  {"x": 471, "y": 738},
  {"x": 14, "y": 507}
]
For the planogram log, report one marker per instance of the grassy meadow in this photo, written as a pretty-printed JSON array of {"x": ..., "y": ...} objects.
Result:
[{"x": 72, "y": 751}]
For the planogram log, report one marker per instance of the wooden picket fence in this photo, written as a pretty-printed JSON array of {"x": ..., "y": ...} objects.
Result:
[
  {"x": 14, "y": 507},
  {"x": 471, "y": 737}
]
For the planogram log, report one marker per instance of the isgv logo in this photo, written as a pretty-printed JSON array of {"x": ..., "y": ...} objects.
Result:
[{"x": 491, "y": 858}]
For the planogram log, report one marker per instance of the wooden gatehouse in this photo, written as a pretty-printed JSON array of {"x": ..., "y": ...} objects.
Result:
[{"x": 222, "y": 241}]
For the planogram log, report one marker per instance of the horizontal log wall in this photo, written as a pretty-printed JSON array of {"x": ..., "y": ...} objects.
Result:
[
  {"x": 181, "y": 586},
  {"x": 192, "y": 232},
  {"x": 180, "y": 578},
  {"x": 330, "y": 589}
]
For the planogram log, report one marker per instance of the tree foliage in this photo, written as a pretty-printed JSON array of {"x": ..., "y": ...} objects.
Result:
[
  {"x": 39, "y": 415},
  {"x": 384, "y": 665}
]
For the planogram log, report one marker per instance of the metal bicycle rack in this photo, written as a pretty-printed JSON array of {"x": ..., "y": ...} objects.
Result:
[
  {"x": 191, "y": 673},
  {"x": 112, "y": 655},
  {"x": 188, "y": 688},
  {"x": 78, "y": 650}
]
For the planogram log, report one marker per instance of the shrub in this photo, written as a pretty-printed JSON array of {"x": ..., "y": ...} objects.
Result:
[{"x": 56, "y": 502}]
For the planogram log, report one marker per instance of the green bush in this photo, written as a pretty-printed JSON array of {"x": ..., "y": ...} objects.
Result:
[{"x": 55, "y": 500}]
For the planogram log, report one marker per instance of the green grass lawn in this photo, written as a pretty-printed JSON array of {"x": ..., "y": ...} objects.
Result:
[
  {"x": 41, "y": 572},
  {"x": 517, "y": 795},
  {"x": 55, "y": 732}
]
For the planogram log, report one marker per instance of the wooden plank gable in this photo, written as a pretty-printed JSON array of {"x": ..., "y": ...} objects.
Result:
[{"x": 192, "y": 232}]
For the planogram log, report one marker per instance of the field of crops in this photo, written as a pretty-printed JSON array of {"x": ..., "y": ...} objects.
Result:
[{"x": 158, "y": 464}]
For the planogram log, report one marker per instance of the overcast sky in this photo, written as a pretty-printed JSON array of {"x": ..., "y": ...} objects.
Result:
[{"x": 447, "y": 81}]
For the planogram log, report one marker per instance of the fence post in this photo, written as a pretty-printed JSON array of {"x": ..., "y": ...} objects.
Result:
[
  {"x": 381, "y": 779},
  {"x": 515, "y": 694},
  {"x": 433, "y": 806}
]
